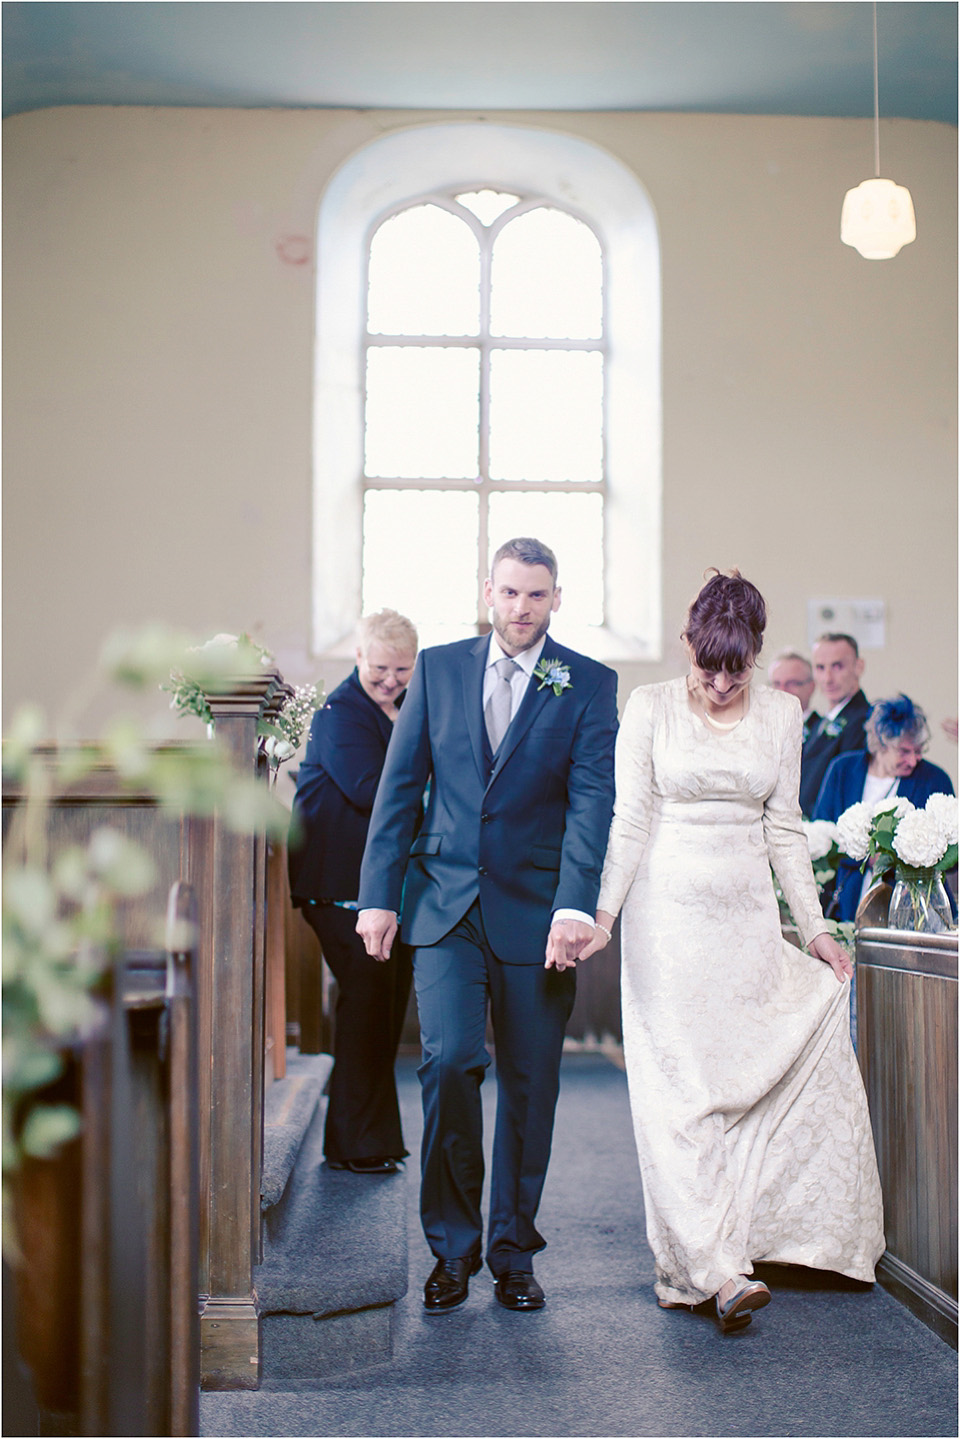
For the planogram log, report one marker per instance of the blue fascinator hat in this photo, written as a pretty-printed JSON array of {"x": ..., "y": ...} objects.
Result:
[{"x": 889, "y": 719}]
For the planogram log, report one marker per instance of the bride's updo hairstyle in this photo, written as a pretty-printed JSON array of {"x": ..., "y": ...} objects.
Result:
[{"x": 725, "y": 623}]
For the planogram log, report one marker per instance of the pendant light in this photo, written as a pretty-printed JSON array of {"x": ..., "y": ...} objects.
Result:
[{"x": 877, "y": 217}]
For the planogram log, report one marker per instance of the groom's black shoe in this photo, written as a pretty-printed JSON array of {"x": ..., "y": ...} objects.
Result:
[
  {"x": 449, "y": 1282},
  {"x": 517, "y": 1289}
]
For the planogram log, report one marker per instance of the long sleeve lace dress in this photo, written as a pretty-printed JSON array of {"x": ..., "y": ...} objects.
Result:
[{"x": 749, "y": 1112}]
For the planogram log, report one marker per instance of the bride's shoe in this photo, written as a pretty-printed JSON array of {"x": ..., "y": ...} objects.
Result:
[{"x": 738, "y": 1310}]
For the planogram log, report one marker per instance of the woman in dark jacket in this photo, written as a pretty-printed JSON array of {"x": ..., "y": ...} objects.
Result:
[
  {"x": 335, "y": 793},
  {"x": 896, "y": 734}
]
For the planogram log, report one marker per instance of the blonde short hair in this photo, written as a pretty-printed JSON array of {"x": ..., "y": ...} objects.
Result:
[{"x": 391, "y": 629}]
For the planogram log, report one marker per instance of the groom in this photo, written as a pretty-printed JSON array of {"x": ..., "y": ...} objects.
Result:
[{"x": 498, "y": 891}]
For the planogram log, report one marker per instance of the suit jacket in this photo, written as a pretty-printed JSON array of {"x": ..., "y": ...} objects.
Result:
[
  {"x": 335, "y": 791},
  {"x": 819, "y": 749},
  {"x": 842, "y": 787},
  {"x": 526, "y": 833}
]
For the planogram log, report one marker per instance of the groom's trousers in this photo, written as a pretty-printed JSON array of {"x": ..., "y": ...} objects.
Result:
[{"x": 529, "y": 1008}]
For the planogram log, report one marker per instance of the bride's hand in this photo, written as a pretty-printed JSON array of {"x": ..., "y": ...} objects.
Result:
[
  {"x": 601, "y": 935},
  {"x": 825, "y": 947}
]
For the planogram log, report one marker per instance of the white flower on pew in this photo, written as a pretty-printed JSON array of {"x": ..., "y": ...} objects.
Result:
[
  {"x": 920, "y": 841},
  {"x": 821, "y": 837},
  {"x": 945, "y": 809},
  {"x": 853, "y": 830},
  {"x": 896, "y": 804},
  {"x": 278, "y": 750}
]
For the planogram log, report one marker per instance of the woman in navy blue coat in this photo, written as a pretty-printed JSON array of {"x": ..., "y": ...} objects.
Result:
[
  {"x": 336, "y": 786},
  {"x": 896, "y": 734}
]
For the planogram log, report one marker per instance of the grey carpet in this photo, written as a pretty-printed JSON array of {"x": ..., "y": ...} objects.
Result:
[
  {"x": 336, "y": 1241},
  {"x": 289, "y": 1106},
  {"x": 828, "y": 1358}
]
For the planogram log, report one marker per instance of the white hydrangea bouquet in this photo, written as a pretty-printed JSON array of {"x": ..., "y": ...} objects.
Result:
[{"x": 917, "y": 844}]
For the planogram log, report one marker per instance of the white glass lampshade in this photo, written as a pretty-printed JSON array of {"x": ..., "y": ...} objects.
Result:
[{"x": 877, "y": 219}]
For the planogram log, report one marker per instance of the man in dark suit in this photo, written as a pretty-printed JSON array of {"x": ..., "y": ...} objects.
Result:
[
  {"x": 516, "y": 738},
  {"x": 791, "y": 672},
  {"x": 837, "y": 668}
]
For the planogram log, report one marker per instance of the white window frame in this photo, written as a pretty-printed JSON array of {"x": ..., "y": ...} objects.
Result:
[
  {"x": 578, "y": 176},
  {"x": 484, "y": 342}
]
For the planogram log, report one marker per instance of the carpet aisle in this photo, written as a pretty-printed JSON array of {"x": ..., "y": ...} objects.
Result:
[{"x": 828, "y": 1358}]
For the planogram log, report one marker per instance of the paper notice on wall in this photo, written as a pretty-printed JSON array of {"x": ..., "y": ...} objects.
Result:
[{"x": 865, "y": 619}]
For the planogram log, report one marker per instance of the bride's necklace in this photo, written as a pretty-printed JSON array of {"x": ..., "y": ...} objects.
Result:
[{"x": 717, "y": 724}]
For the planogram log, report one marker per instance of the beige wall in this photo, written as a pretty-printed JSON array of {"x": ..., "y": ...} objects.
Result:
[{"x": 159, "y": 328}]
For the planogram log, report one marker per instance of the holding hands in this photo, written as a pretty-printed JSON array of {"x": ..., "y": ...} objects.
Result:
[{"x": 571, "y": 940}]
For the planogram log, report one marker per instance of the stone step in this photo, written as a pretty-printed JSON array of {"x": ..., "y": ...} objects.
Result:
[
  {"x": 289, "y": 1107},
  {"x": 334, "y": 1265}
]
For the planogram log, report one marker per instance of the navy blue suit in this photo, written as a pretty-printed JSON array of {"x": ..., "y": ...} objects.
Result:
[
  {"x": 505, "y": 842},
  {"x": 820, "y": 748},
  {"x": 336, "y": 786},
  {"x": 842, "y": 787}
]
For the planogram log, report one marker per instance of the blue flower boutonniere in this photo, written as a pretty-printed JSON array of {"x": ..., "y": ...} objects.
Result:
[
  {"x": 554, "y": 674},
  {"x": 835, "y": 726}
]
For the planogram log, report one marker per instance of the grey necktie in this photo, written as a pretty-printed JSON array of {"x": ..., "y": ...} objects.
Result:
[{"x": 496, "y": 712}]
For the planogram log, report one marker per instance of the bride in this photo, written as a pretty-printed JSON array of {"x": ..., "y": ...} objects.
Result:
[{"x": 749, "y": 1112}]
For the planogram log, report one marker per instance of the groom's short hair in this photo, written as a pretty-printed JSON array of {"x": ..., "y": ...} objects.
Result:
[{"x": 529, "y": 552}]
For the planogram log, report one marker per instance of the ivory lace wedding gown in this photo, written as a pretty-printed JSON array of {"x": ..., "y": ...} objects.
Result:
[{"x": 748, "y": 1108}]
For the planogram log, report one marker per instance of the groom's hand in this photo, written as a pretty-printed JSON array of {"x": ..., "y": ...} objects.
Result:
[
  {"x": 565, "y": 941},
  {"x": 377, "y": 928}
]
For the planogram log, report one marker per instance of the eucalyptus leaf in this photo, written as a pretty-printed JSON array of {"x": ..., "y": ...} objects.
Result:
[
  {"x": 71, "y": 875},
  {"x": 77, "y": 762},
  {"x": 47, "y": 1127},
  {"x": 146, "y": 656},
  {"x": 64, "y": 1008},
  {"x": 124, "y": 865},
  {"x": 28, "y": 1066},
  {"x": 29, "y": 896},
  {"x": 24, "y": 733},
  {"x": 249, "y": 805},
  {"x": 126, "y": 749}
]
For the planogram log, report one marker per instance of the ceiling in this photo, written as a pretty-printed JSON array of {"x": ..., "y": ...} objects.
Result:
[{"x": 717, "y": 57}]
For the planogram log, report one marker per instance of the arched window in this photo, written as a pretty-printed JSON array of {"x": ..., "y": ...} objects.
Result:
[{"x": 487, "y": 365}]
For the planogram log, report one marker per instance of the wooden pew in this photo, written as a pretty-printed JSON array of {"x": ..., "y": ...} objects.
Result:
[
  {"x": 106, "y": 1293},
  {"x": 907, "y": 1048},
  {"x": 230, "y": 875}
]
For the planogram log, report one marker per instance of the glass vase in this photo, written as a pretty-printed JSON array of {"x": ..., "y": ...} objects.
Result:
[{"x": 920, "y": 903}]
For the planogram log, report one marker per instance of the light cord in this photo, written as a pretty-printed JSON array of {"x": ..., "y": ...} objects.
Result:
[{"x": 876, "y": 96}]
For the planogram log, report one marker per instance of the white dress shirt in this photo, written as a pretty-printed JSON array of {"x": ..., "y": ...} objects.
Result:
[
  {"x": 832, "y": 714},
  {"x": 526, "y": 661}
]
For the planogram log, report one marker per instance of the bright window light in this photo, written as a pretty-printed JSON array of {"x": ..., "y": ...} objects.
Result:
[
  {"x": 417, "y": 546},
  {"x": 422, "y": 413},
  {"x": 546, "y": 415},
  {"x": 547, "y": 278},
  {"x": 424, "y": 275}
]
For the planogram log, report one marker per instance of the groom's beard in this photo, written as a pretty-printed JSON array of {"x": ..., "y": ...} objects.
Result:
[{"x": 520, "y": 637}]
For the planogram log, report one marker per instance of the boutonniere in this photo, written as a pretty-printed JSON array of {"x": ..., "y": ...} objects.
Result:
[
  {"x": 835, "y": 726},
  {"x": 554, "y": 674}
]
